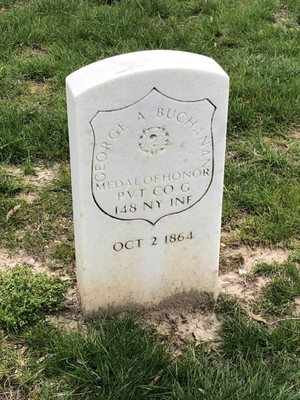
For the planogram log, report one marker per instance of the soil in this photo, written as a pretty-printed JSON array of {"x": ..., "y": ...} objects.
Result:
[
  {"x": 184, "y": 325},
  {"x": 297, "y": 307},
  {"x": 283, "y": 21},
  {"x": 242, "y": 288},
  {"x": 42, "y": 176},
  {"x": 8, "y": 260},
  {"x": 37, "y": 87},
  {"x": 71, "y": 318},
  {"x": 34, "y": 51},
  {"x": 248, "y": 256}
]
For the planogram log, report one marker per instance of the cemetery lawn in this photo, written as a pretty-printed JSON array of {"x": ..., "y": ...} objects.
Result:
[{"x": 47, "y": 350}]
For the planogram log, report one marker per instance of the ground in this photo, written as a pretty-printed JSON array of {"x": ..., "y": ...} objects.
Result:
[{"x": 243, "y": 345}]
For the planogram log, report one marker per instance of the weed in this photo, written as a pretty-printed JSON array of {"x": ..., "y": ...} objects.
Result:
[{"x": 26, "y": 298}]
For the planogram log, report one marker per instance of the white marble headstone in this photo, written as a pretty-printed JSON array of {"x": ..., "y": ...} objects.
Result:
[{"x": 147, "y": 142}]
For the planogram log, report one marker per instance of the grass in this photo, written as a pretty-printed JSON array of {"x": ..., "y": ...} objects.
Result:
[
  {"x": 267, "y": 194},
  {"x": 258, "y": 44},
  {"x": 43, "y": 42},
  {"x": 47, "y": 223},
  {"x": 278, "y": 296},
  {"x": 117, "y": 359}
]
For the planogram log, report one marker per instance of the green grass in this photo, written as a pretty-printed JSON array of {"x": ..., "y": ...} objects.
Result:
[
  {"x": 9, "y": 185},
  {"x": 257, "y": 42},
  {"x": 278, "y": 296},
  {"x": 43, "y": 229},
  {"x": 263, "y": 185}
]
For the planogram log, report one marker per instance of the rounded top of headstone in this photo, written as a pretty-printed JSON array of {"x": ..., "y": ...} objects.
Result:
[{"x": 131, "y": 63}]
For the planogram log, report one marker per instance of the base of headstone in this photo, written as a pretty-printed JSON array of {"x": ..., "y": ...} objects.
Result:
[{"x": 180, "y": 301}]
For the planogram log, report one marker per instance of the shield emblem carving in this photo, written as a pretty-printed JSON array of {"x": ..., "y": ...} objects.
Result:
[{"x": 153, "y": 158}]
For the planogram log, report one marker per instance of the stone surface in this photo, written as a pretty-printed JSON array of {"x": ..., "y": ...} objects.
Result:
[{"x": 147, "y": 142}]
